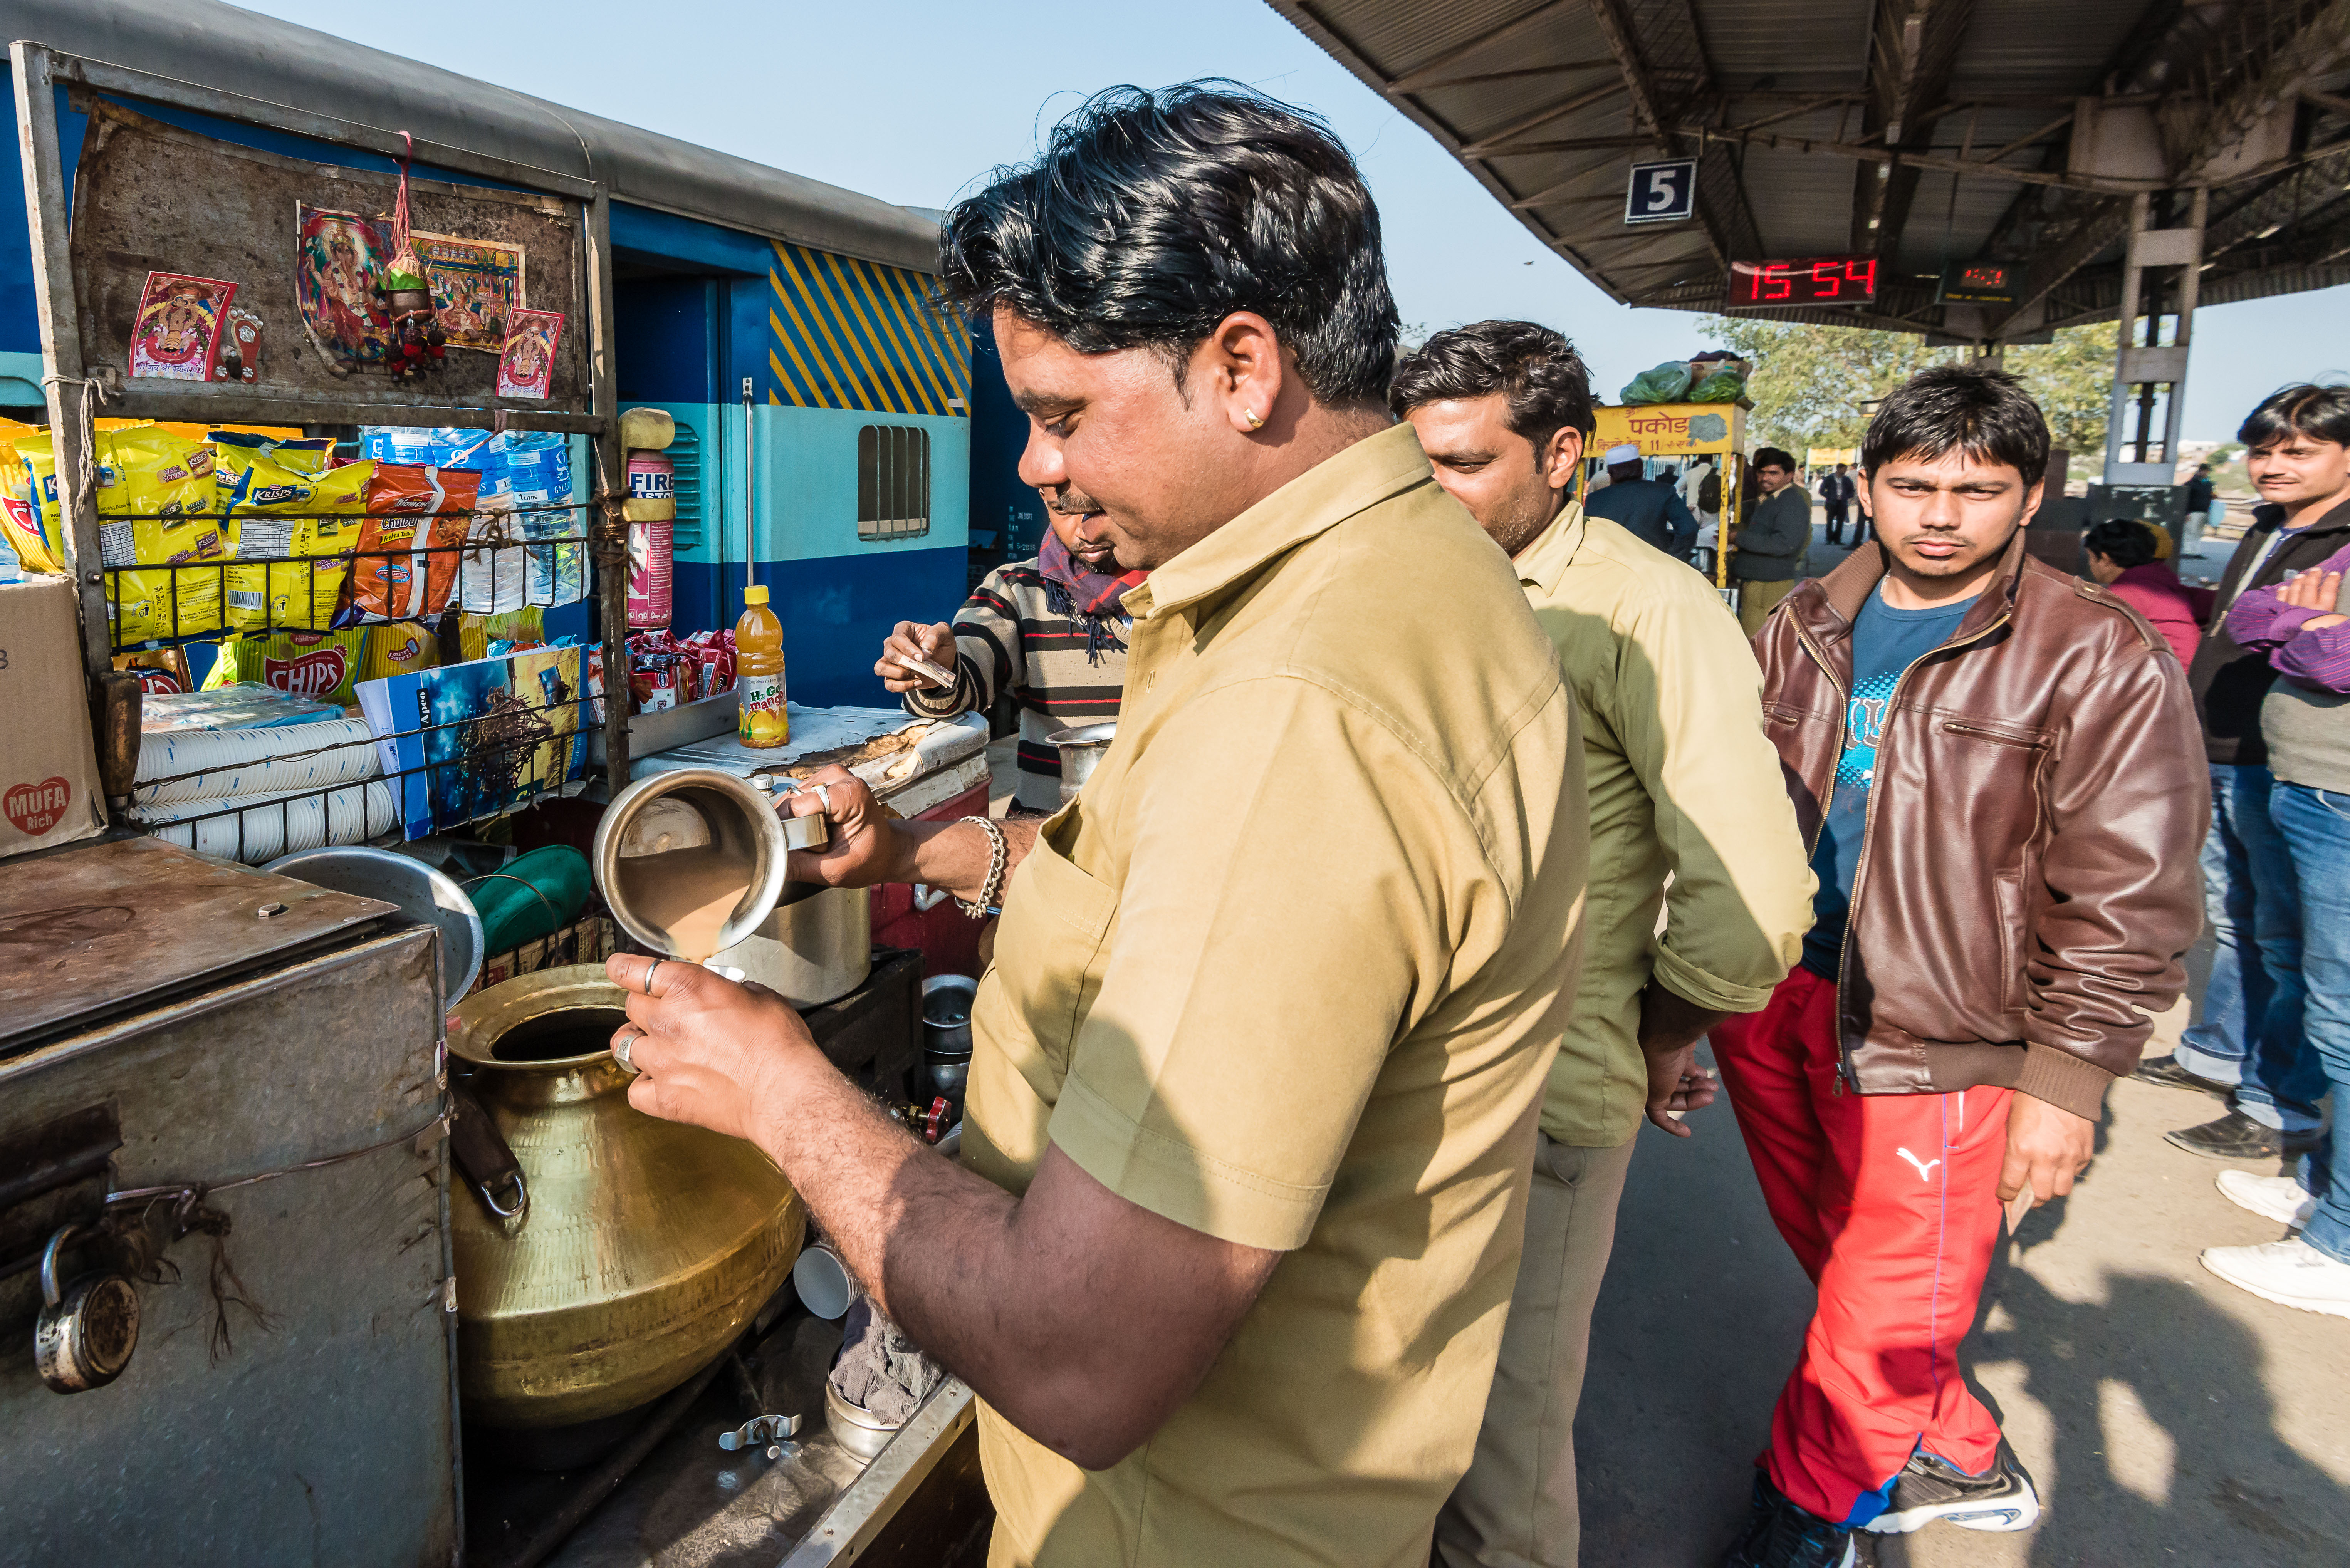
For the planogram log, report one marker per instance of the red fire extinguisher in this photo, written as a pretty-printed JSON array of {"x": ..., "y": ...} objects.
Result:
[{"x": 652, "y": 523}]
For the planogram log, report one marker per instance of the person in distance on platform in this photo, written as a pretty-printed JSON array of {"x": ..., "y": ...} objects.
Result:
[
  {"x": 1649, "y": 509},
  {"x": 1684, "y": 787},
  {"x": 1994, "y": 763},
  {"x": 1767, "y": 552},
  {"x": 1836, "y": 499},
  {"x": 2123, "y": 556},
  {"x": 1255, "y": 1071},
  {"x": 1050, "y": 630}
]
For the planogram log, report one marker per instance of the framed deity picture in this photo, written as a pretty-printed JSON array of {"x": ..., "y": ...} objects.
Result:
[
  {"x": 527, "y": 363},
  {"x": 477, "y": 288},
  {"x": 180, "y": 323}
]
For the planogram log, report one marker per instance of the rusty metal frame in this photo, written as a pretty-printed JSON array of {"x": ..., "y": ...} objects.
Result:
[
  {"x": 62, "y": 370},
  {"x": 37, "y": 71}
]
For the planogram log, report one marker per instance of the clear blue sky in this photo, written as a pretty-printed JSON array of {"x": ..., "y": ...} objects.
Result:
[{"x": 913, "y": 100}]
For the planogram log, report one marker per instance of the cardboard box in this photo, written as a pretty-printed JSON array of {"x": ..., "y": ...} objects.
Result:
[{"x": 48, "y": 767}]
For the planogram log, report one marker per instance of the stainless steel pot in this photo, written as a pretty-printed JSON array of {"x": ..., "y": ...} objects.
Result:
[
  {"x": 1081, "y": 752},
  {"x": 809, "y": 944},
  {"x": 815, "y": 946},
  {"x": 946, "y": 1035}
]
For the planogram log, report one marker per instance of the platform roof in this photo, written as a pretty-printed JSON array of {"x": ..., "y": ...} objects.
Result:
[{"x": 1919, "y": 132}]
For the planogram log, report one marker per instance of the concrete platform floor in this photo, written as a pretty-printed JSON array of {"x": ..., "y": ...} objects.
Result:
[{"x": 2167, "y": 1416}]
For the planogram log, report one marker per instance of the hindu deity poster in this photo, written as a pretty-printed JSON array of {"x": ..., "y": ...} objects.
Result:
[
  {"x": 477, "y": 286},
  {"x": 180, "y": 325},
  {"x": 340, "y": 257},
  {"x": 526, "y": 364}
]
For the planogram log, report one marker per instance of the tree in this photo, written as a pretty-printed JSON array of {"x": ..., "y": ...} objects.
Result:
[{"x": 1816, "y": 385}]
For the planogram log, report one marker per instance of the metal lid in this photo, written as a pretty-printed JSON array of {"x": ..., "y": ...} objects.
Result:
[{"x": 422, "y": 893}]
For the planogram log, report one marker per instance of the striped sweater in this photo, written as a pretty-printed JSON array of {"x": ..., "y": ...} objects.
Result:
[{"x": 1022, "y": 634}]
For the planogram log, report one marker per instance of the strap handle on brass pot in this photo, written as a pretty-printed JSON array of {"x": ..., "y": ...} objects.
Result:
[{"x": 485, "y": 1159}]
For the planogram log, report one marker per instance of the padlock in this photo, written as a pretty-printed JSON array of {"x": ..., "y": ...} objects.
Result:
[{"x": 87, "y": 1329}]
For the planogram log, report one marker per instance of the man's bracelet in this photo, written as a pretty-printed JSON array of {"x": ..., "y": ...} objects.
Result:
[{"x": 991, "y": 892}]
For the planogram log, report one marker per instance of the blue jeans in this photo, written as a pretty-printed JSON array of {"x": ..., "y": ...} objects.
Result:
[
  {"x": 2250, "y": 1035},
  {"x": 2316, "y": 826}
]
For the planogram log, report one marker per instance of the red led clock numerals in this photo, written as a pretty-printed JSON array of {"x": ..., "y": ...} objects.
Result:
[{"x": 1813, "y": 280}]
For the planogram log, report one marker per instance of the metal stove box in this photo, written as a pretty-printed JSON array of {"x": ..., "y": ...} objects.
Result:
[{"x": 289, "y": 1398}]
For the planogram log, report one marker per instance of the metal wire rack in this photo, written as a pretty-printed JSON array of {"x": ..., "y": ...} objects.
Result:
[{"x": 354, "y": 809}]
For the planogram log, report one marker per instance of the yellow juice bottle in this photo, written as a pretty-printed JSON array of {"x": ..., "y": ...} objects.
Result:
[{"x": 764, "y": 720}]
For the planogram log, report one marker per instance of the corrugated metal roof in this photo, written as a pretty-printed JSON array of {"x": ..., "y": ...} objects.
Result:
[
  {"x": 1791, "y": 108},
  {"x": 232, "y": 51}
]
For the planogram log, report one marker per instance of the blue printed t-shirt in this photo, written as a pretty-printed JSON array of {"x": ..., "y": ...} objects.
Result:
[{"x": 1885, "y": 642}]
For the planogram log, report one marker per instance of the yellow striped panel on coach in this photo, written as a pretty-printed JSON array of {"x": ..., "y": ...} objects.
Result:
[{"x": 849, "y": 333}]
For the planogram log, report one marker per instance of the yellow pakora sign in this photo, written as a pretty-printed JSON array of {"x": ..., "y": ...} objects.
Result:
[{"x": 1671, "y": 429}]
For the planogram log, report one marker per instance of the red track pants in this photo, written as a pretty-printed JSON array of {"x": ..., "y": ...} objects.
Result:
[{"x": 1891, "y": 1204}]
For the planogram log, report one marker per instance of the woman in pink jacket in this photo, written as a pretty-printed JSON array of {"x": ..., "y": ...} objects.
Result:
[{"x": 2122, "y": 556}]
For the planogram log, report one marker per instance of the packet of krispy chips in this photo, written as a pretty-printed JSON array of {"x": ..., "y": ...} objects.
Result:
[
  {"x": 273, "y": 510},
  {"x": 155, "y": 512}
]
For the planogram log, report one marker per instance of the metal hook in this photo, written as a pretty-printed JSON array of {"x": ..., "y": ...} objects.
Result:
[
  {"x": 521, "y": 1198},
  {"x": 52, "y": 1293}
]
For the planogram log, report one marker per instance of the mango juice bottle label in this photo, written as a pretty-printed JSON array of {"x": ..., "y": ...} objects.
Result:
[{"x": 764, "y": 720}]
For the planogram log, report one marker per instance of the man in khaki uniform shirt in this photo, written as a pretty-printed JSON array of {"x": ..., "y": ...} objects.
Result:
[
  {"x": 1257, "y": 1068},
  {"x": 1683, "y": 782}
]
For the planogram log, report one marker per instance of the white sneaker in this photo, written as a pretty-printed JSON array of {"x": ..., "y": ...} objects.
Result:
[
  {"x": 2292, "y": 1273},
  {"x": 2278, "y": 1198}
]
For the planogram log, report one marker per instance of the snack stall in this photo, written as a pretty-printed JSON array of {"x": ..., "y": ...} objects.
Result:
[
  {"x": 1687, "y": 431},
  {"x": 335, "y": 529}
]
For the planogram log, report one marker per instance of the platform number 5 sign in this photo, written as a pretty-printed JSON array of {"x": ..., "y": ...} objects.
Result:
[{"x": 1662, "y": 192}]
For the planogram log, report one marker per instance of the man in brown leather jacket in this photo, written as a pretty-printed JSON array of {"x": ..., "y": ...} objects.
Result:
[{"x": 1996, "y": 767}]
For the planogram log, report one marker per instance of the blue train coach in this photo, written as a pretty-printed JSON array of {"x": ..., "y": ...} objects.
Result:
[{"x": 825, "y": 410}]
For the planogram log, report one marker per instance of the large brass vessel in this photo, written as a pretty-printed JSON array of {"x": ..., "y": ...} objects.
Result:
[{"x": 644, "y": 1246}]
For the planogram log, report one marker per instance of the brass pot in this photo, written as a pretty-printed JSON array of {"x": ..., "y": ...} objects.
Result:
[{"x": 644, "y": 1247}]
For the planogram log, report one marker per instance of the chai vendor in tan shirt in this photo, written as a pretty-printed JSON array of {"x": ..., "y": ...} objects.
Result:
[
  {"x": 1689, "y": 819},
  {"x": 1257, "y": 1065}
]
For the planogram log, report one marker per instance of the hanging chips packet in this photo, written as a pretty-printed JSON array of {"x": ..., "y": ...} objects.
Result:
[
  {"x": 275, "y": 511},
  {"x": 424, "y": 511},
  {"x": 155, "y": 499}
]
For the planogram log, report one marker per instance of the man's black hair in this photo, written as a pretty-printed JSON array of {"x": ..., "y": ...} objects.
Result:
[
  {"x": 2124, "y": 541},
  {"x": 1971, "y": 409},
  {"x": 1543, "y": 382},
  {"x": 2321, "y": 413},
  {"x": 1772, "y": 457},
  {"x": 1151, "y": 216}
]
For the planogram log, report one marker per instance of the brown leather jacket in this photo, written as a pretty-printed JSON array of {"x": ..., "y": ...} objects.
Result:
[{"x": 2027, "y": 885}]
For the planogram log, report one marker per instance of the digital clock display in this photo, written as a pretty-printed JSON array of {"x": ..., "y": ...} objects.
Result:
[
  {"x": 1808, "y": 280},
  {"x": 1977, "y": 282}
]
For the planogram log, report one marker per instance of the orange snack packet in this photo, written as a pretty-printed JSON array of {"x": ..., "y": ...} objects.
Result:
[{"x": 402, "y": 502}]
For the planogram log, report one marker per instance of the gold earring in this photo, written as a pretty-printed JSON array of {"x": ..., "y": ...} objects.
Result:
[{"x": 1255, "y": 419}]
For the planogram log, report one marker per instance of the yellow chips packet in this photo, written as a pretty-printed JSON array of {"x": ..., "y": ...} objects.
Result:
[
  {"x": 155, "y": 503},
  {"x": 276, "y": 511}
]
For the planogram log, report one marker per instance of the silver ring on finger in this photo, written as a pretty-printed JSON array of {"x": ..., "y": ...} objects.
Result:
[
  {"x": 823, "y": 797},
  {"x": 622, "y": 1046},
  {"x": 655, "y": 964}
]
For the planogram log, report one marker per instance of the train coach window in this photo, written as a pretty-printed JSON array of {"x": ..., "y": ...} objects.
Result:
[{"x": 893, "y": 482}]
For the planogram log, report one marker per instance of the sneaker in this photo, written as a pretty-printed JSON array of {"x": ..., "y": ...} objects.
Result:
[
  {"x": 1781, "y": 1534},
  {"x": 1929, "y": 1489},
  {"x": 2278, "y": 1198},
  {"x": 2291, "y": 1273},
  {"x": 2166, "y": 1071},
  {"x": 2237, "y": 1137}
]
